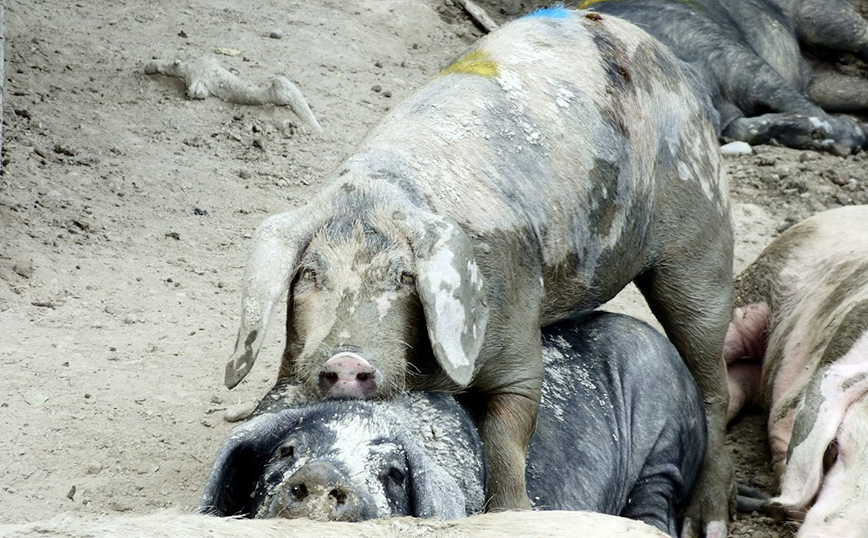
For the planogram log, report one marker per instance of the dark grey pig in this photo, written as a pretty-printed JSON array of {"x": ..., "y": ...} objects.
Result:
[
  {"x": 749, "y": 54},
  {"x": 621, "y": 431},
  {"x": 561, "y": 158}
]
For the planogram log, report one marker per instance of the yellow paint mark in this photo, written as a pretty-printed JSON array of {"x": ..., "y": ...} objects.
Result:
[{"x": 476, "y": 62}]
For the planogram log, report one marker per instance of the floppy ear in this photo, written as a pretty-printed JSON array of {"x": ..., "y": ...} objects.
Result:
[
  {"x": 829, "y": 395},
  {"x": 433, "y": 491},
  {"x": 240, "y": 463},
  {"x": 277, "y": 247},
  {"x": 452, "y": 292}
]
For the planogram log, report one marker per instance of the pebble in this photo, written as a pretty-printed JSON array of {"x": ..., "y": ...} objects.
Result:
[
  {"x": 736, "y": 148},
  {"x": 23, "y": 268},
  {"x": 93, "y": 468},
  {"x": 277, "y": 33},
  {"x": 238, "y": 412}
]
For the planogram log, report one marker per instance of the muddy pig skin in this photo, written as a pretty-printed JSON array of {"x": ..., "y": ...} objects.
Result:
[
  {"x": 621, "y": 431},
  {"x": 768, "y": 65},
  {"x": 802, "y": 310},
  {"x": 564, "y": 156}
]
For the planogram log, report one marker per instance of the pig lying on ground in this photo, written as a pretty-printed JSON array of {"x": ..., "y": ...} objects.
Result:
[
  {"x": 803, "y": 311},
  {"x": 748, "y": 56},
  {"x": 621, "y": 430},
  {"x": 167, "y": 524},
  {"x": 564, "y": 156}
]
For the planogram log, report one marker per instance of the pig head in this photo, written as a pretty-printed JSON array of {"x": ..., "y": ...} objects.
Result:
[
  {"x": 804, "y": 312},
  {"x": 351, "y": 461},
  {"x": 362, "y": 290}
]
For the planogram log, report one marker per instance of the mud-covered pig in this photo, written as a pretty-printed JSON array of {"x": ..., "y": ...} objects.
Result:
[
  {"x": 621, "y": 431},
  {"x": 562, "y": 157},
  {"x": 803, "y": 312},
  {"x": 752, "y": 57}
]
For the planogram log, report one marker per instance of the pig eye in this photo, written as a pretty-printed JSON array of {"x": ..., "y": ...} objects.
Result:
[
  {"x": 286, "y": 452},
  {"x": 407, "y": 279},
  {"x": 395, "y": 475},
  {"x": 308, "y": 275},
  {"x": 831, "y": 455}
]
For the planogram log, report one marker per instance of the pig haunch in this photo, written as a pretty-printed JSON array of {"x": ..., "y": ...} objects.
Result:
[
  {"x": 621, "y": 430},
  {"x": 803, "y": 312},
  {"x": 564, "y": 156}
]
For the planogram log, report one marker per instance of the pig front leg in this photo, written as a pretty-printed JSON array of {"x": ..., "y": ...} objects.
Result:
[
  {"x": 692, "y": 298},
  {"x": 506, "y": 416}
]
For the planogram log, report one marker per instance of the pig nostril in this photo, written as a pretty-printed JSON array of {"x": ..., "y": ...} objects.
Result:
[
  {"x": 363, "y": 376},
  {"x": 339, "y": 495},
  {"x": 329, "y": 377},
  {"x": 299, "y": 492}
]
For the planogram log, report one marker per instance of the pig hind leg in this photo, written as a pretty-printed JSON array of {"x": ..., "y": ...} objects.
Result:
[
  {"x": 652, "y": 501},
  {"x": 692, "y": 299},
  {"x": 837, "y": 92},
  {"x": 833, "y": 25}
]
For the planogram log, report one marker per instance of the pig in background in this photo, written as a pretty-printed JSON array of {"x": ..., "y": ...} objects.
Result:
[
  {"x": 621, "y": 431},
  {"x": 561, "y": 158},
  {"x": 768, "y": 65},
  {"x": 798, "y": 344}
]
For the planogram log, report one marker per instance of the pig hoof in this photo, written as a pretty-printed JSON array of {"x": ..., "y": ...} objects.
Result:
[{"x": 348, "y": 375}]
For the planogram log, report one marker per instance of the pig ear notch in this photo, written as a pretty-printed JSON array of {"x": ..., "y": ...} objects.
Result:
[{"x": 452, "y": 292}]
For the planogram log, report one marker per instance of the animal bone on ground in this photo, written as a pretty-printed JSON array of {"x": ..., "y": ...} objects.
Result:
[{"x": 206, "y": 76}]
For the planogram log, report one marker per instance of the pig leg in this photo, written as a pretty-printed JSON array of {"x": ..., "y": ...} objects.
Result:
[
  {"x": 651, "y": 500},
  {"x": 833, "y": 25},
  {"x": 794, "y": 121},
  {"x": 693, "y": 301},
  {"x": 837, "y": 92}
]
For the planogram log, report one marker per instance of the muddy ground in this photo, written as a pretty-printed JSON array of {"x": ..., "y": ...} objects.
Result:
[{"x": 126, "y": 212}]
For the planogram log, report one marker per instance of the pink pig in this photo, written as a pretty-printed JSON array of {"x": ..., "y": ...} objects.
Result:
[{"x": 798, "y": 345}]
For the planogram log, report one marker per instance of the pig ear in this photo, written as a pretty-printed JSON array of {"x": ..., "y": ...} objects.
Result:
[
  {"x": 277, "y": 246},
  {"x": 452, "y": 293},
  {"x": 240, "y": 463},
  {"x": 433, "y": 491},
  {"x": 829, "y": 395}
]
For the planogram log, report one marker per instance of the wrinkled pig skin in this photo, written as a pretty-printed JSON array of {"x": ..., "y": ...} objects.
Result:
[
  {"x": 768, "y": 65},
  {"x": 621, "y": 431},
  {"x": 561, "y": 158},
  {"x": 802, "y": 310}
]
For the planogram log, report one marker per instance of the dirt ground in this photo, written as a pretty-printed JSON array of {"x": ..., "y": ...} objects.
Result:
[{"x": 126, "y": 212}]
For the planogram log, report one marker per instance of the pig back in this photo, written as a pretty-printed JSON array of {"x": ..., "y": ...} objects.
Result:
[{"x": 572, "y": 133}]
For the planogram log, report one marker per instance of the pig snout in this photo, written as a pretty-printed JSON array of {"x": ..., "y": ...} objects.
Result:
[
  {"x": 319, "y": 491},
  {"x": 348, "y": 375}
]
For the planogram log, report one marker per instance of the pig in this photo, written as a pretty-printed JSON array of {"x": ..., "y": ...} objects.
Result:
[
  {"x": 798, "y": 345},
  {"x": 564, "y": 156},
  {"x": 751, "y": 57},
  {"x": 173, "y": 524},
  {"x": 621, "y": 431}
]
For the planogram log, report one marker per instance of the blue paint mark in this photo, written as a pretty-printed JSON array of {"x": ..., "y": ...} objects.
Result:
[{"x": 554, "y": 12}]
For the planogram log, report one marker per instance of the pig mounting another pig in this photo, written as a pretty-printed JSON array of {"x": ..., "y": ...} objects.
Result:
[
  {"x": 562, "y": 157},
  {"x": 621, "y": 430},
  {"x": 768, "y": 65},
  {"x": 798, "y": 344}
]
